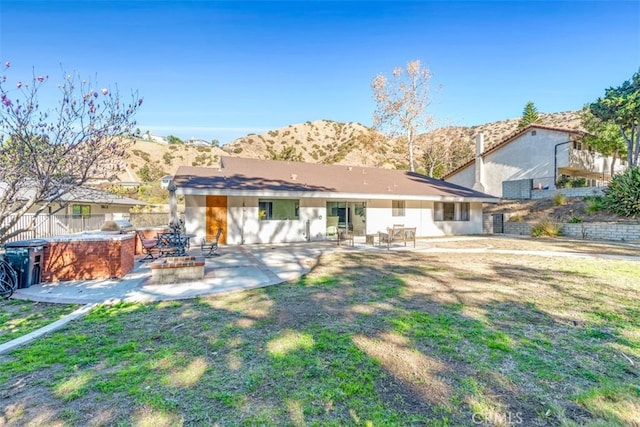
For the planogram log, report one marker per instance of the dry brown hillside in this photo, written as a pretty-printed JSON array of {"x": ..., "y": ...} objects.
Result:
[
  {"x": 320, "y": 141},
  {"x": 162, "y": 159},
  {"x": 495, "y": 132}
]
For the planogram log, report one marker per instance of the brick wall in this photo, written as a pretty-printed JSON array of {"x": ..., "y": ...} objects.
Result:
[{"x": 88, "y": 259}]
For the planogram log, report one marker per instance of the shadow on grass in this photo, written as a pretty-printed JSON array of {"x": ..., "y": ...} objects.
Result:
[{"x": 386, "y": 338}]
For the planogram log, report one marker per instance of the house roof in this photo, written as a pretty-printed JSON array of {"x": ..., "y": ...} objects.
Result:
[
  {"x": 241, "y": 176},
  {"x": 92, "y": 195},
  {"x": 512, "y": 137},
  {"x": 82, "y": 195}
]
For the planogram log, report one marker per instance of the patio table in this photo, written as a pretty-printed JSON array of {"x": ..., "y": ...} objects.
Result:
[{"x": 173, "y": 243}]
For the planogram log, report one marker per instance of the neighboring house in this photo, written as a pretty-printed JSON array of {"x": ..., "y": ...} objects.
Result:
[
  {"x": 81, "y": 209},
  {"x": 535, "y": 157},
  {"x": 86, "y": 201},
  {"x": 265, "y": 201}
]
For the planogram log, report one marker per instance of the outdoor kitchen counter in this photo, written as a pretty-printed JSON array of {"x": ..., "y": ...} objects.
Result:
[{"x": 87, "y": 256}]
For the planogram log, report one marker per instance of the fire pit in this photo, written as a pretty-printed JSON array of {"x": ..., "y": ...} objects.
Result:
[{"x": 177, "y": 269}]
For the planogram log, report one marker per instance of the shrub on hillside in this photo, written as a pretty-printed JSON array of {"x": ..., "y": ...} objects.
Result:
[
  {"x": 559, "y": 199},
  {"x": 569, "y": 182},
  {"x": 547, "y": 228},
  {"x": 622, "y": 196},
  {"x": 594, "y": 204}
]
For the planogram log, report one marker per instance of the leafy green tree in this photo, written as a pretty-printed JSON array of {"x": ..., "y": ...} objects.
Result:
[
  {"x": 49, "y": 151},
  {"x": 149, "y": 174},
  {"x": 621, "y": 105},
  {"x": 215, "y": 143},
  {"x": 529, "y": 115},
  {"x": 603, "y": 136},
  {"x": 172, "y": 139}
]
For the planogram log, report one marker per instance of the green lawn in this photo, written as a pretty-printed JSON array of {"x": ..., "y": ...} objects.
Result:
[
  {"x": 18, "y": 317},
  {"x": 365, "y": 339}
]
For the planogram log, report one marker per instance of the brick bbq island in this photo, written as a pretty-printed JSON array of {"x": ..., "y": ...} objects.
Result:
[{"x": 88, "y": 256}]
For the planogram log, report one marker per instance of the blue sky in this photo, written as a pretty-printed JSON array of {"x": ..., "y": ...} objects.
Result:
[{"x": 220, "y": 70}]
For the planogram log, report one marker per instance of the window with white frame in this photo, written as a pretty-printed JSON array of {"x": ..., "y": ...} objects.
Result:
[
  {"x": 397, "y": 208},
  {"x": 445, "y": 211}
]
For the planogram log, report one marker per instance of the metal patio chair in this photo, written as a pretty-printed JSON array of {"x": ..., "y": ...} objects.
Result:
[{"x": 211, "y": 246}]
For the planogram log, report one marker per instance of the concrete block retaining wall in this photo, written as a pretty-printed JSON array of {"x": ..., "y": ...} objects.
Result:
[
  {"x": 568, "y": 192},
  {"x": 603, "y": 231},
  {"x": 586, "y": 230},
  {"x": 487, "y": 223},
  {"x": 518, "y": 228}
]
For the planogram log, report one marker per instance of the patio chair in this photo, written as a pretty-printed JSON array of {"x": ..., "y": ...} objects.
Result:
[
  {"x": 169, "y": 244},
  {"x": 149, "y": 246},
  {"x": 212, "y": 246},
  {"x": 332, "y": 225}
]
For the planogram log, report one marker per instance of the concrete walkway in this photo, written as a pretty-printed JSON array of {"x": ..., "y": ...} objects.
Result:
[{"x": 236, "y": 268}]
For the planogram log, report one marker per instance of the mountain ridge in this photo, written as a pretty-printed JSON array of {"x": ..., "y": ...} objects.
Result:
[{"x": 330, "y": 142}]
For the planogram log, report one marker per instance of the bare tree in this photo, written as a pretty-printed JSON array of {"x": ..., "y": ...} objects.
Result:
[
  {"x": 401, "y": 104},
  {"x": 48, "y": 153},
  {"x": 442, "y": 154}
]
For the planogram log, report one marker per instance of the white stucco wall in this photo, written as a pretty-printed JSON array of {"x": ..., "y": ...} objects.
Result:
[
  {"x": 194, "y": 216},
  {"x": 244, "y": 226},
  {"x": 465, "y": 177},
  {"x": 527, "y": 157}
]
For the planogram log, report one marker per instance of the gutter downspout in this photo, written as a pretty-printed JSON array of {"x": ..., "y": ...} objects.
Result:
[{"x": 555, "y": 161}]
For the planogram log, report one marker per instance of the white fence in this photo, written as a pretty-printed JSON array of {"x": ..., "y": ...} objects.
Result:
[{"x": 55, "y": 225}]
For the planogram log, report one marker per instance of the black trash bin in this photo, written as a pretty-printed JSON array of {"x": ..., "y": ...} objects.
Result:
[{"x": 26, "y": 257}]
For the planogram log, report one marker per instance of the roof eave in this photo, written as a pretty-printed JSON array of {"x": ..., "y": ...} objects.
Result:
[{"x": 335, "y": 195}]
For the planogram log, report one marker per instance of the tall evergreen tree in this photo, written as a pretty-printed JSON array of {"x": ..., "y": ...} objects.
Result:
[
  {"x": 529, "y": 115},
  {"x": 621, "y": 105}
]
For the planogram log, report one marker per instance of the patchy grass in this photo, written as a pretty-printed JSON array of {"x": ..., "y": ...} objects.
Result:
[
  {"x": 18, "y": 317},
  {"x": 365, "y": 339}
]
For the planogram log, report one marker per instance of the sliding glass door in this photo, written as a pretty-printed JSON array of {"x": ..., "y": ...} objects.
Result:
[{"x": 351, "y": 216}]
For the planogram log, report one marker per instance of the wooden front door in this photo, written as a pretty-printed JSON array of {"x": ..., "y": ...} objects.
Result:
[{"x": 216, "y": 215}]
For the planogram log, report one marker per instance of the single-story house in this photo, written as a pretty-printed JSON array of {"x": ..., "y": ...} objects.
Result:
[
  {"x": 82, "y": 208},
  {"x": 535, "y": 157},
  {"x": 267, "y": 201},
  {"x": 86, "y": 201}
]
